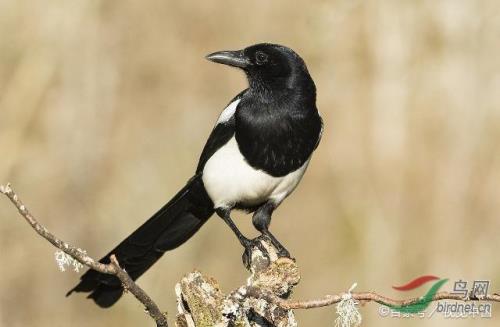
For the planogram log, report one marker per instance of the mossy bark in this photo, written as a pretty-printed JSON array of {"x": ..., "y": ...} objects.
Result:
[{"x": 201, "y": 303}]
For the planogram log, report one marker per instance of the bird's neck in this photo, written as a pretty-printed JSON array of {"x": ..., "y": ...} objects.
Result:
[{"x": 271, "y": 91}]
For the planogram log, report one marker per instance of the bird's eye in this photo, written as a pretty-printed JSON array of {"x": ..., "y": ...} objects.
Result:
[{"x": 260, "y": 58}]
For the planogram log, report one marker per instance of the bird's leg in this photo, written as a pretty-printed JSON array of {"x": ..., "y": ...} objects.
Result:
[
  {"x": 261, "y": 220},
  {"x": 248, "y": 244},
  {"x": 225, "y": 215}
]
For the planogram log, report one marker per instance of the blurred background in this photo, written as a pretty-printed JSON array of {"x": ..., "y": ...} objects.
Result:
[{"x": 106, "y": 105}]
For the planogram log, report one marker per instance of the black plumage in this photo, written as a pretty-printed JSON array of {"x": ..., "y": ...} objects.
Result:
[
  {"x": 253, "y": 159},
  {"x": 171, "y": 226},
  {"x": 277, "y": 137}
]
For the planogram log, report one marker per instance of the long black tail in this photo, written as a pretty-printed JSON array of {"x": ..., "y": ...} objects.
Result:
[{"x": 171, "y": 226}]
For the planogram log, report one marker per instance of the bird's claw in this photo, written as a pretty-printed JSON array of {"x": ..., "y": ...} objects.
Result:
[
  {"x": 283, "y": 253},
  {"x": 280, "y": 249},
  {"x": 250, "y": 246}
]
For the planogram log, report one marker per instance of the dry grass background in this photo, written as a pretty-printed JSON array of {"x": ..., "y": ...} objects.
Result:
[{"x": 105, "y": 106}]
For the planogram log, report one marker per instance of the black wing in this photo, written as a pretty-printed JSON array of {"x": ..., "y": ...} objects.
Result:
[{"x": 219, "y": 136}]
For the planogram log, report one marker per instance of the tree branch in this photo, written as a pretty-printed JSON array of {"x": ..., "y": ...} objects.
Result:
[
  {"x": 112, "y": 269},
  {"x": 380, "y": 299},
  {"x": 263, "y": 301},
  {"x": 265, "y": 295}
]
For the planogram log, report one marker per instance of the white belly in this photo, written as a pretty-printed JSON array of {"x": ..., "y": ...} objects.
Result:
[{"x": 229, "y": 179}]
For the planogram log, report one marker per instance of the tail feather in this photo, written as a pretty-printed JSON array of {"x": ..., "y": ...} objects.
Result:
[{"x": 170, "y": 227}]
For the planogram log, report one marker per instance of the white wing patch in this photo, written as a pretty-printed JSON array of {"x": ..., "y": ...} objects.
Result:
[{"x": 228, "y": 112}]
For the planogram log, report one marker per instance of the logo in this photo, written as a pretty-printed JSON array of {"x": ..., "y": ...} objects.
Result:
[
  {"x": 448, "y": 309},
  {"x": 425, "y": 300}
]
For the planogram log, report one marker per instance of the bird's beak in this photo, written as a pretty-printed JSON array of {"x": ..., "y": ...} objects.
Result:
[{"x": 230, "y": 58}]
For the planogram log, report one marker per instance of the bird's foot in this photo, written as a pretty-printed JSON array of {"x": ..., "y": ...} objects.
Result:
[
  {"x": 282, "y": 252},
  {"x": 280, "y": 249},
  {"x": 264, "y": 248},
  {"x": 252, "y": 245}
]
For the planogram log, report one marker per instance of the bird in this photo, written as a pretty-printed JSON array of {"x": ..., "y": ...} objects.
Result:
[{"x": 255, "y": 156}]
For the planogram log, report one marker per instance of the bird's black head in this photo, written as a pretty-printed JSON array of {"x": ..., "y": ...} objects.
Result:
[{"x": 268, "y": 66}]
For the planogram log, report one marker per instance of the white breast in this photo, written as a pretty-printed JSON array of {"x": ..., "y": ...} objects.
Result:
[{"x": 229, "y": 179}]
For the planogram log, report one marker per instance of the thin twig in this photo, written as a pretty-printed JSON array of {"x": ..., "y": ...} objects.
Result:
[
  {"x": 129, "y": 285},
  {"x": 374, "y": 297},
  {"x": 112, "y": 269}
]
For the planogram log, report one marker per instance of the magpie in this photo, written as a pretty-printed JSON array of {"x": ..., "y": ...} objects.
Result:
[{"x": 253, "y": 159}]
